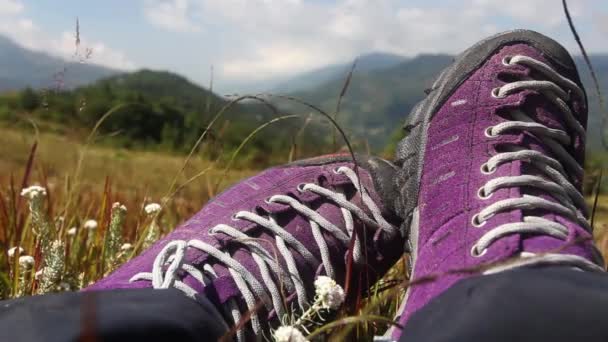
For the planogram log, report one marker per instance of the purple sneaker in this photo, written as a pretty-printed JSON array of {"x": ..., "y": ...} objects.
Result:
[
  {"x": 492, "y": 167},
  {"x": 258, "y": 246}
]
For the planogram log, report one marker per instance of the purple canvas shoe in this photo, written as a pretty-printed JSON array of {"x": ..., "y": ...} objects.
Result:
[
  {"x": 492, "y": 167},
  {"x": 258, "y": 246}
]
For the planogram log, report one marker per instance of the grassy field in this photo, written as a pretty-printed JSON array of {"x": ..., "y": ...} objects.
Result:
[
  {"x": 83, "y": 182},
  {"x": 76, "y": 194}
]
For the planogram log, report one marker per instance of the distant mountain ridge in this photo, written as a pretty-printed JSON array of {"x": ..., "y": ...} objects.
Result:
[
  {"x": 20, "y": 68},
  {"x": 383, "y": 90},
  {"x": 365, "y": 63},
  {"x": 378, "y": 101}
]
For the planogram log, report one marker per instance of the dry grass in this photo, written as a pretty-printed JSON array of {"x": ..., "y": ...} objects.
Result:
[
  {"x": 134, "y": 179},
  {"x": 107, "y": 176}
]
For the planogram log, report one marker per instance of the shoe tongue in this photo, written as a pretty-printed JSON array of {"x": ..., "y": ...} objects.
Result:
[{"x": 382, "y": 173}]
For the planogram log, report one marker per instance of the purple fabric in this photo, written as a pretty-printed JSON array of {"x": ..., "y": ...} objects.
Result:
[
  {"x": 456, "y": 148},
  {"x": 250, "y": 195}
]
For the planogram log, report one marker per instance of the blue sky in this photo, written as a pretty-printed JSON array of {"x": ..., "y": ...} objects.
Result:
[{"x": 252, "y": 41}]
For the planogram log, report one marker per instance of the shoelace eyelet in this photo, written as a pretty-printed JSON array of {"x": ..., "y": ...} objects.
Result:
[
  {"x": 506, "y": 61},
  {"x": 488, "y": 132},
  {"x": 268, "y": 201},
  {"x": 481, "y": 193},
  {"x": 496, "y": 93},
  {"x": 301, "y": 186},
  {"x": 234, "y": 217},
  {"x": 476, "y": 253},
  {"x": 337, "y": 171},
  {"x": 475, "y": 221},
  {"x": 485, "y": 169}
]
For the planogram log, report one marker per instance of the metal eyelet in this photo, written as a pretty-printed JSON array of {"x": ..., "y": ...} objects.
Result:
[
  {"x": 506, "y": 61},
  {"x": 485, "y": 169},
  {"x": 475, "y": 221},
  {"x": 337, "y": 171},
  {"x": 496, "y": 93},
  {"x": 211, "y": 231},
  {"x": 488, "y": 132},
  {"x": 301, "y": 186},
  {"x": 477, "y": 254},
  {"x": 481, "y": 193}
]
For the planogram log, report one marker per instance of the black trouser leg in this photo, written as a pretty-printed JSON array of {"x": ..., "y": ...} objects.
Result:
[
  {"x": 546, "y": 304},
  {"x": 117, "y": 315}
]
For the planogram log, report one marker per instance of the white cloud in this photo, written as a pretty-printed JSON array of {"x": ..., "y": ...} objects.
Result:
[
  {"x": 270, "y": 38},
  {"x": 15, "y": 25},
  {"x": 10, "y": 7},
  {"x": 546, "y": 13},
  {"x": 172, "y": 15},
  {"x": 283, "y": 37},
  {"x": 101, "y": 54}
]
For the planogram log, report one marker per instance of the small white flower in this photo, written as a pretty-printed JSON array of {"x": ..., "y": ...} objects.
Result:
[
  {"x": 329, "y": 293},
  {"x": 288, "y": 334},
  {"x": 26, "y": 261},
  {"x": 33, "y": 191},
  {"x": 72, "y": 231},
  {"x": 152, "y": 208},
  {"x": 90, "y": 224},
  {"x": 11, "y": 252},
  {"x": 38, "y": 274},
  {"x": 117, "y": 205},
  {"x": 126, "y": 247}
]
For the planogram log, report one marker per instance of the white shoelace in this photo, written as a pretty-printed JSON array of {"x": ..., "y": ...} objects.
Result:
[
  {"x": 171, "y": 258},
  {"x": 570, "y": 202}
]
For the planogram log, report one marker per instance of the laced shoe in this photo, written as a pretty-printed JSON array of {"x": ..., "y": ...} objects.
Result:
[
  {"x": 257, "y": 248},
  {"x": 492, "y": 167}
]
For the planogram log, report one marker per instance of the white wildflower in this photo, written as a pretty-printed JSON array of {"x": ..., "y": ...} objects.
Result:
[
  {"x": 33, "y": 192},
  {"x": 52, "y": 272},
  {"x": 11, "y": 252},
  {"x": 38, "y": 275},
  {"x": 152, "y": 208},
  {"x": 90, "y": 224},
  {"x": 329, "y": 293},
  {"x": 119, "y": 206},
  {"x": 26, "y": 261},
  {"x": 71, "y": 231},
  {"x": 288, "y": 334},
  {"x": 126, "y": 247}
]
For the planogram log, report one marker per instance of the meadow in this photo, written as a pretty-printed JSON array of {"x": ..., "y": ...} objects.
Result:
[{"x": 94, "y": 235}]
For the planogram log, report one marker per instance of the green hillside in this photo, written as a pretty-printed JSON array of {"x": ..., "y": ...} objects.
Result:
[
  {"x": 377, "y": 101},
  {"x": 157, "y": 110},
  {"x": 163, "y": 110}
]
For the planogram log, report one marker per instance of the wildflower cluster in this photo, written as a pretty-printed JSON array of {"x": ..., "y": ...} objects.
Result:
[
  {"x": 61, "y": 247},
  {"x": 328, "y": 296}
]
